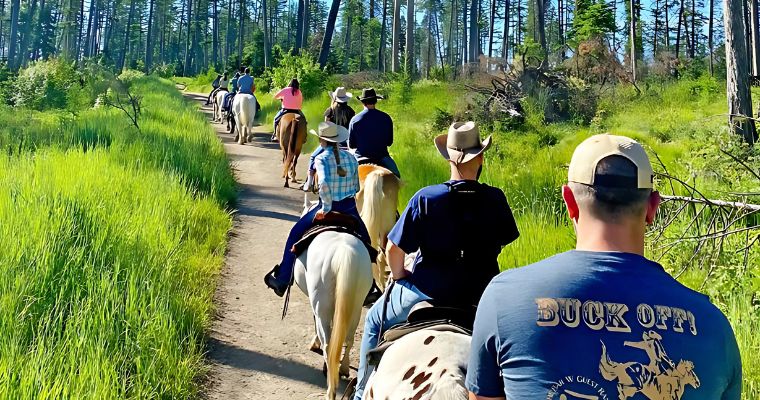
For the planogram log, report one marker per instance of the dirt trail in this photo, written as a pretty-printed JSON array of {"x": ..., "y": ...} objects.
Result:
[{"x": 253, "y": 354}]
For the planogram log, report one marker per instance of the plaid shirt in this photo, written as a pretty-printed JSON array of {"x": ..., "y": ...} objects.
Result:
[{"x": 333, "y": 187}]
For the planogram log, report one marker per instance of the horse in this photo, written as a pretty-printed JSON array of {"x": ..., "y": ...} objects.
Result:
[
  {"x": 218, "y": 103},
  {"x": 635, "y": 377},
  {"x": 292, "y": 137},
  {"x": 425, "y": 364},
  {"x": 380, "y": 214},
  {"x": 335, "y": 273},
  {"x": 244, "y": 112}
]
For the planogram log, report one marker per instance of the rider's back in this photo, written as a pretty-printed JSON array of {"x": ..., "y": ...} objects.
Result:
[
  {"x": 458, "y": 254},
  {"x": 604, "y": 324}
]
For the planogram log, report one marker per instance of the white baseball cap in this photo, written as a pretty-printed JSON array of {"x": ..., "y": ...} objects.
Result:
[{"x": 598, "y": 147}]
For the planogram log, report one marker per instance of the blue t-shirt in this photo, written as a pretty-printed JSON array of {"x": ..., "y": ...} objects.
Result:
[
  {"x": 459, "y": 227},
  {"x": 371, "y": 133},
  {"x": 245, "y": 84},
  {"x": 606, "y": 326}
]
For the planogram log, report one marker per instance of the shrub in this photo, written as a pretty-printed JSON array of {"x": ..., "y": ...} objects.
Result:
[
  {"x": 310, "y": 76},
  {"x": 47, "y": 84},
  {"x": 164, "y": 70}
]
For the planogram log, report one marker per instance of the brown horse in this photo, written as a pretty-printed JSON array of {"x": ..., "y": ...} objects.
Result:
[{"x": 292, "y": 137}]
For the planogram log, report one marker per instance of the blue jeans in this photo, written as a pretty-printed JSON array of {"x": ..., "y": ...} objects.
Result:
[
  {"x": 388, "y": 162},
  {"x": 279, "y": 115},
  {"x": 403, "y": 296},
  {"x": 346, "y": 206}
]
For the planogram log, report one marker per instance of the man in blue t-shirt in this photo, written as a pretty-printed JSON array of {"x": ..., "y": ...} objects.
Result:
[
  {"x": 457, "y": 253},
  {"x": 245, "y": 82},
  {"x": 602, "y": 321},
  {"x": 371, "y": 133}
]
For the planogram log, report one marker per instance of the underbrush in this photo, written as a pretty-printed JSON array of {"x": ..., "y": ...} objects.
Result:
[{"x": 113, "y": 241}]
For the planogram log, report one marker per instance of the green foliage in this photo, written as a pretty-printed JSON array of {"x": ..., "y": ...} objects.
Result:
[
  {"x": 305, "y": 68},
  {"x": 530, "y": 52},
  {"x": 113, "y": 241},
  {"x": 48, "y": 84},
  {"x": 593, "y": 19}
]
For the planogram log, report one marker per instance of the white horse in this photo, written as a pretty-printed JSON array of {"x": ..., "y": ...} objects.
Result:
[
  {"x": 218, "y": 102},
  {"x": 378, "y": 202},
  {"x": 335, "y": 272},
  {"x": 244, "y": 111},
  {"x": 424, "y": 365}
]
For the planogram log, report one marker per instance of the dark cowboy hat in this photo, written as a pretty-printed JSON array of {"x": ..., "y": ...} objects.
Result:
[{"x": 368, "y": 94}]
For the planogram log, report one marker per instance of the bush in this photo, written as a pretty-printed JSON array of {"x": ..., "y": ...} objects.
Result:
[
  {"x": 310, "y": 76},
  {"x": 48, "y": 84},
  {"x": 164, "y": 70}
]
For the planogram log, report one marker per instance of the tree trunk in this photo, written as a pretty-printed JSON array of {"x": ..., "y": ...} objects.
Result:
[
  {"x": 383, "y": 38},
  {"x": 241, "y": 33},
  {"x": 491, "y": 24},
  {"x": 410, "y": 25},
  {"x": 215, "y": 35},
  {"x": 26, "y": 38},
  {"x": 13, "y": 40},
  {"x": 329, "y": 29},
  {"x": 541, "y": 7},
  {"x": 80, "y": 23},
  {"x": 267, "y": 38},
  {"x": 678, "y": 30},
  {"x": 299, "y": 25},
  {"x": 505, "y": 39},
  {"x": 88, "y": 43},
  {"x": 306, "y": 26},
  {"x": 125, "y": 48},
  {"x": 396, "y": 39},
  {"x": 737, "y": 74},
  {"x": 452, "y": 22},
  {"x": 347, "y": 47},
  {"x": 149, "y": 39},
  {"x": 561, "y": 27},
  {"x": 518, "y": 29},
  {"x": 693, "y": 48},
  {"x": 188, "y": 41},
  {"x": 371, "y": 9},
  {"x": 633, "y": 40},
  {"x": 655, "y": 35},
  {"x": 474, "y": 31},
  {"x": 465, "y": 50},
  {"x": 755, "y": 37},
  {"x": 710, "y": 37},
  {"x": 667, "y": 25}
]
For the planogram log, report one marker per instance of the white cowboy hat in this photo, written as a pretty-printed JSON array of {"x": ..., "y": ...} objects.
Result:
[
  {"x": 340, "y": 95},
  {"x": 331, "y": 132},
  {"x": 462, "y": 143}
]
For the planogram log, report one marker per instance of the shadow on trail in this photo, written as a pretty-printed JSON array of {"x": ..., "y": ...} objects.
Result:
[{"x": 233, "y": 356}]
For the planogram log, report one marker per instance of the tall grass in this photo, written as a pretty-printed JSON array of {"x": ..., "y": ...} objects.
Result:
[{"x": 112, "y": 243}]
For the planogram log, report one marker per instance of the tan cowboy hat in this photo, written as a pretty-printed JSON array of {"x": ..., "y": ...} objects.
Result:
[
  {"x": 331, "y": 132},
  {"x": 340, "y": 95},
  {"x": 462, "y": 143}
]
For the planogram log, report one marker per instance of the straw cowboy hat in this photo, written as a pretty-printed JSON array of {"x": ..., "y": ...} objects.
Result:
[
  {"x": 368, "y": 94},
  {"x": 331, "y": 132},
  {"x": 340, "y": 95},
  {"x": 462, "y": 143}
]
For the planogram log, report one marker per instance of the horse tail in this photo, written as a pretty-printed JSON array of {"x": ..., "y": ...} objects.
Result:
[
  {"x": 293, "y": 135},
  {"x": 347, "y": 290},
  {"x": 371, "y": 206},
  {"x": 607, "y": 366}
]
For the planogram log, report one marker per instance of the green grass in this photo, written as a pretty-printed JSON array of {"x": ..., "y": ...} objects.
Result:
[{"x": 113, "y": 240}]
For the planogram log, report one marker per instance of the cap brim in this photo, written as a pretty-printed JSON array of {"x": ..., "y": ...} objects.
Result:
[
  {"x": 469, "y": 154},
  {"x": 342, "y": 135}
]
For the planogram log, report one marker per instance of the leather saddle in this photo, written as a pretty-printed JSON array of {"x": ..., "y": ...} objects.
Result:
[
  {"x": 425, "y": 316},
  {"x": 332, "y": 222}
]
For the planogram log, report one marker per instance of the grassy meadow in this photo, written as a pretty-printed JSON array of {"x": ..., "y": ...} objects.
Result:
[
  {"x": 681, "y": 122},
  {"x": 112, "y": 242}
]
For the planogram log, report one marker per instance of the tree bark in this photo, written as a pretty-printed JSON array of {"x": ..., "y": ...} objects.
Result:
[
  {"x": 299, "y": 25},
  {"x": 693, "y": 48},
  {"x": 541, "y": 7},
  {"x": 755, "y": 29},
  {"x": 632, "y": 34},
  {"x": 667, "y": 25},
  {"x": 126, "y": 46},
  {"x": 188, "y": 41},
  {"x": 149, "y": 39},
  {"x": 678, "y": 30},
  {"x": 215, "y": 35},
  {"x": 505, "y": 40},
  {"x": 491, "y": 24},
  {"x": 655, "y": 35},
  {"x": 329, "y": 29},
  {"x": 371, "y": 9},
  {"x": 13, "y": 40},
  {"x": 80, "y": 23},
  {"x": 710, "y": 36},
  {"x": 26, "y": 37},
  {"x": 396, "y": 39},
  {"x": 347, "y": 45},
  {"x": 267, "y": 32},
  {"x": 88, "y": 44},
  {"x": 465, "y": 50},
  {"x": 241, "y": 33},
  {"x": 737, "y": 74},
  {"x": 452, "y": 22},
  {"x": 410, "y": 25},
  {"x": 383, "y": 38},
  {"x": 474, "y": 31}
]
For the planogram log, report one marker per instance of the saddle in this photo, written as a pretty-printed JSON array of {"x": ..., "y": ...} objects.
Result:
[
  {"x": 332, "y": 222},
  {"x": 425, "y": 316}
]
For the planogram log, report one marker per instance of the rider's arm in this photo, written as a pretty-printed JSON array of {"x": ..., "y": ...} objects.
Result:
[
  {"x": 324, "y": 188},
  {"x": 484, "y": 374},
  {"x": 396, "y": 261},
  {"x": 734, "y": 389}
]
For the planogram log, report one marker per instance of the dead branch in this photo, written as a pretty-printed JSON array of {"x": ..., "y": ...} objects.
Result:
[{"x": 716, "y": 203}]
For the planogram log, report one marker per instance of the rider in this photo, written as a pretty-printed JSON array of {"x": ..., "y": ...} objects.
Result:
[
  {"x": 232, "y": 92},
  {"x": 245, "y": 82},
  {"x": 371, "y": 133},
  {"x": 339, "y": 113},
  {"x": 339, "y": 182},
  {"x": 566, "y": 324},
  {"x": 292, "y": 100},
  {"x": 215, "y": 85},
  {"x": 446, "y": 223}
]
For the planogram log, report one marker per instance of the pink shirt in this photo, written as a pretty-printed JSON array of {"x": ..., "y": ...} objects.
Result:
[{"x": 289, "y": 101}]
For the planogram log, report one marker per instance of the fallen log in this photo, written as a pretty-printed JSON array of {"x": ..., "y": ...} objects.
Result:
[{"x": 717, "y": 203}]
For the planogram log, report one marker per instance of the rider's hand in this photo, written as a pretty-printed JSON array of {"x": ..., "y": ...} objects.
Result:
[{"x": 320, "y": 216}]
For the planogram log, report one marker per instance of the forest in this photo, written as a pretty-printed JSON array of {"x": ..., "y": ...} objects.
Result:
[{"x": 107, "y": 290}]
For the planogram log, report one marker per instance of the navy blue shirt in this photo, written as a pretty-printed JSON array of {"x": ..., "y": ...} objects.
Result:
[
  {"x": 371, "y": 133},
  {"x": 606, "y": 326},
  {"x": 459, "y": 227}
]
